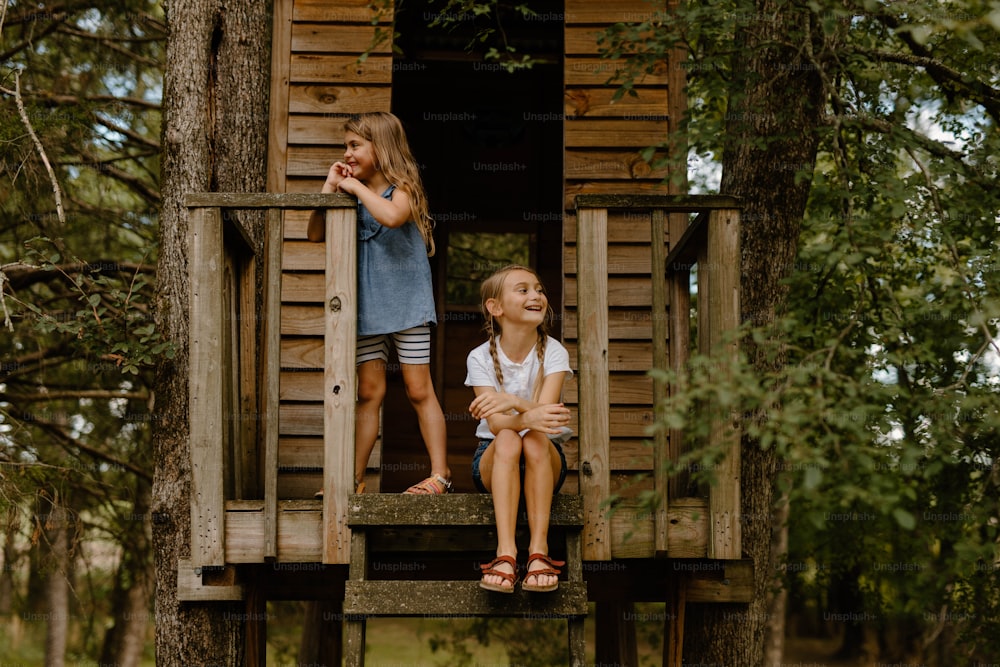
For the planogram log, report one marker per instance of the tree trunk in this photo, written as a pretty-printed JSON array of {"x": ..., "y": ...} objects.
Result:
[
  {"x": 215, "y": 133},
  {"x": 10, "y": 531},
  {"x": 769, "y": 152},
  {"x": 124, "y": 641},
  {"x": 774, "y": 648},
  {"x": 57, "y": 539}
]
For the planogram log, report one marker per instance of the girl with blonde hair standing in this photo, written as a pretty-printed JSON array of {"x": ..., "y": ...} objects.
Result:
[{"x": 395, "y": 294}]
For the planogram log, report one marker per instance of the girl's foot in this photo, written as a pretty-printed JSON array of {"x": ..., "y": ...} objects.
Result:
[
  {"x": 542, "y": 574},
  {"x": 499, "y": 575},
  {"x": 435, "y": 485}
]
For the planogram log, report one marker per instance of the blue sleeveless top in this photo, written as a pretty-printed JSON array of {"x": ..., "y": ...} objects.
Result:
[{"x": 395, "y": 292}]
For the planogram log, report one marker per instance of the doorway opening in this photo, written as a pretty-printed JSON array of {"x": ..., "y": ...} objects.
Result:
[{"x": 490, "y": 145}]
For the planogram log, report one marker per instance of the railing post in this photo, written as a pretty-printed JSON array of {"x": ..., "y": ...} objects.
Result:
[
  {"x": 594, "y": 417},
  {"x": 722, "y": 303},
  {"x": 339, "y": 381},
  {"x": 658, "y": 270},
  {"x": 271, "y": 370},
  {"x": 205, "y": 389}
]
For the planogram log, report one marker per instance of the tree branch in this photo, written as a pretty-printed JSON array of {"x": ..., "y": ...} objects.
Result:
[
  {"x": 25, "y": 275},
  {"x": 70, "y": 443},
  {"x": 874, "y": 124},
  {"x": 951, "y": 81},
  {"x": 99, "y": 394},
  {"x": 57, "y": 191}
]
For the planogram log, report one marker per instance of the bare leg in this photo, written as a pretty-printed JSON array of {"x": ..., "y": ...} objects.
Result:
[
  {"x": 420, "y": 391},
  {"x": 542, "y": 466},
  {"x": 371, "y": 393},
  {"x": 500, "y": 470}
]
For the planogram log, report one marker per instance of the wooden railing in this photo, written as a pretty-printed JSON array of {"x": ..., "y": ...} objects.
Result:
[
  {"x": 712, "y": 241},
  {"x": 235, "y": 370},
  {"x": 234, "y": 408}
]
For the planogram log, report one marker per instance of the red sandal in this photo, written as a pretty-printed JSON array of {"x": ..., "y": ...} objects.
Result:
[
  {"x": 551, "y": 568},
  {"x": 490, "y": 568}
]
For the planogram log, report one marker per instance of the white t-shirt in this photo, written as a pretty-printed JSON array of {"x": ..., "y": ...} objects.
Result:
[{"x": 518, "y": 379}]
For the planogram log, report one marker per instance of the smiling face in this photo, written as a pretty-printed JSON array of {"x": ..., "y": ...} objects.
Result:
[
  {"x": 521, "y": 299},
  {"x": 359, "y": 154}
]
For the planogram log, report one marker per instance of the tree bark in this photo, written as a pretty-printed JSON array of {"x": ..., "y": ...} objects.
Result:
[
  {"x": 57, "y": 538},
  {"x": 124, "y": 641},
  {"x": 769, "y": 153},
  {"x": 774, "y": 648},
  {"x": 215, "y": 105}
]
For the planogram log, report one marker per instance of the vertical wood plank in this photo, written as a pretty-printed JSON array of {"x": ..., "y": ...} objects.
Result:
[
  {"x": 271, "y": 370},
  {"x": 277, "y": 135},
  {"x": 673, "y": 631},
  {"x": 679, "y": 344},
  {"x": 250, "y": 451},
  {"x": 723, "y": 304},
  {"x": 339, "y": 380},
  {"x": 205, "y": 387},
  {"x": 594, "y": 413},
  {"x": 658, "y": 262}
]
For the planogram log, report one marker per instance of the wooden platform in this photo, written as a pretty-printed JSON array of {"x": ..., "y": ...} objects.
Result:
[{"x": 300, "y": 524}]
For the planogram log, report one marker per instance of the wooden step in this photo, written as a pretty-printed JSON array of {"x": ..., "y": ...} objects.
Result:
[
  {"x": 460, "y": 598},
  {"x": 453, "y": 509}
]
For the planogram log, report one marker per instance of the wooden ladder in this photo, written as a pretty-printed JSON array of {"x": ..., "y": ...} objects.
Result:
[{"x": 402, "y": 524}]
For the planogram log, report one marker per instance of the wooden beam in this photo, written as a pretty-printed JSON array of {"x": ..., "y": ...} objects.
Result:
[
  {"x": 718, "y": 580},
  {"x": 722, "y": 301},
  {"x": 456, "y": 509},
  {"x": 673, "y": 631},
  {"x": 271, "y": 370},
  {"x": 339, "y": 380},
  {"x": 658, "y": 222},
  {"x": 669, "y": 203},
  {"x": 283, "y": 200},
  {"x": 194, "y": 586},
  {"x": 459, "y": 598},
  {"x": 205, "y": 388},
  {"x": 680, "y": 345},
  {"x": 592, "y": 286},
  {"x": 686, "y": 240},
  {"x": 277, "y": 134},
  {"x": 300, "y": 527}
]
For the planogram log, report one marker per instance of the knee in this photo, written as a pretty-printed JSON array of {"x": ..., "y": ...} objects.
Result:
[
  {"x": 536, "y": 448},
  {"x": 507, "y": 447},
  {"x": 419, "y": 390},
  {"x": 371, "y": 390}
]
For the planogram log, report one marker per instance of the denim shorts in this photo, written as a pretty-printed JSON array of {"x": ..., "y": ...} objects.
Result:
[{"x": 477, "y": 479}]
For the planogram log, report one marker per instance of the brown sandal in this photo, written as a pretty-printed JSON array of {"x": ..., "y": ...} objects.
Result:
[
  {"x": 551, "y": 568},
  {"x": 490, "y": 568}
]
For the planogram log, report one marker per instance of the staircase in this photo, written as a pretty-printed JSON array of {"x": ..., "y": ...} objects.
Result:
[{"x": 419, "y": 555}]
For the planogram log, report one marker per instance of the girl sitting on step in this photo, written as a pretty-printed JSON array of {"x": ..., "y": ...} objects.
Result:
[{"x": 517, "y": 376}]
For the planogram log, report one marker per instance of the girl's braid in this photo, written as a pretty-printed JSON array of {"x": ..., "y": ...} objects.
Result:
[
  {"x": 493, "y": 352},
  {"x": 540, "y": 348}
]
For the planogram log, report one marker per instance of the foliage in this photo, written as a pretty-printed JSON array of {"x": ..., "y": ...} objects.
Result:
[
  {"x": 79, "y": 161},
  {"x": 885, "y": 416}
]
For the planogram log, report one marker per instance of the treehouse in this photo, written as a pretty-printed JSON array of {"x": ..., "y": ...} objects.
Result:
[{"x": 538, "y": 166}]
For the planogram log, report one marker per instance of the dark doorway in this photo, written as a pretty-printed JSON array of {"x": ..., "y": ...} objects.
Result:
[{"x": 490, "y": 145}]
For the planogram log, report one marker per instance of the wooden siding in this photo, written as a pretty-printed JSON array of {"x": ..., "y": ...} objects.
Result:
[
  {"x": 317, "y": 81},
  {"x": 603, "y": 142}
]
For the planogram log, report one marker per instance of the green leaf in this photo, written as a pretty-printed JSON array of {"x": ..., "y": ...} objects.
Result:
[{"x": 905, "y": 519}]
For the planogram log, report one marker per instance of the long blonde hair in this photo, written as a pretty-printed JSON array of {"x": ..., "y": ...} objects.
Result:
[
  {"x": 395, "y": 160},
  {"x": 492, "y": 288}
]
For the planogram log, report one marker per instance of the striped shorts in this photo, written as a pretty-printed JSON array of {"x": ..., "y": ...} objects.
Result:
[{"x": 413, "y": 346}]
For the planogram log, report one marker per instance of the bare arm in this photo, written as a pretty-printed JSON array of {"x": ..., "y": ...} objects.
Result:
[
  {"x": 316, "y": 230},
  {"x": 505, "y": 411},
  {"x": 390, "y": 213}
]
